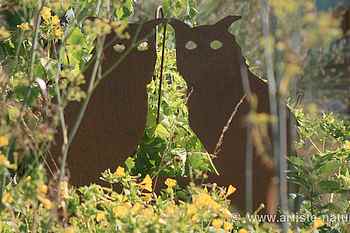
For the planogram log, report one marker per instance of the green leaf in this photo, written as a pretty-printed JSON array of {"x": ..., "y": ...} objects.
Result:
[
  {"x": 297, "y": 161},
  {"x": 198, "y": 160},
  {"x": 130, "y": 163},
  {"x": 329, "y": 186},
  {"x": 76, "y": 37},
  {"x": 39, "y": 71},
  {"x": 161, "y": 132},
  {"x": 13, "y": 113},
  {"x": 328, "y": 168}
]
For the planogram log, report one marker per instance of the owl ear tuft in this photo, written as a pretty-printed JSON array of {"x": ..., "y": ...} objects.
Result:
[
  {"x": 228, "y": 21},
  {"x": 178, "y": 25}
]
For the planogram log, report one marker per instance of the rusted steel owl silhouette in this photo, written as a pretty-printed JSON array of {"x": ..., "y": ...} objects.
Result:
[
  {"x": 208, "y": 58},
  {"x": 115, "y": 118}
]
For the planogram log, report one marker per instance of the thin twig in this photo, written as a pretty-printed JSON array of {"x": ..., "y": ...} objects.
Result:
[{"x": 227, "y": 126}]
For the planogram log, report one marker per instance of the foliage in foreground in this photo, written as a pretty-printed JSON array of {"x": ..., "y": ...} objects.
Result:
[
  {"x": 34, "y": 205},
  {"x": 30, "y": 206}
]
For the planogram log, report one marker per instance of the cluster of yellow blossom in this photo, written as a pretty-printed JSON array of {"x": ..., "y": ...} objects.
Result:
[
  {"x": 205, "y": 201},
  {"x": 4, "y": 162},
  {"x": 120, "y": 172},
  {"x": 7, "y": 198},
  {"x": 122, "y": 210},
  {"x": 318, "y": 223},
  {"x": 4, "y": 141},
  {"x": 24, "y": 26},
  {"x": 98, "y": 27},
  {"x": 64, "y": 190},
  {"x": 53, "y": 22},
  {"x": 219, "y": 223},
  {"x": 230, "y": 190},
  {"x": 4, "y": 34},
  {"x": 100, "y": 216},
  {"x": 42, "y": 190},
  {"x": 347, "y": 145},
  {"x": 170, "y": 183},
  {"x": 146, "y": 184},
  {"x": 242, "y": 230}
]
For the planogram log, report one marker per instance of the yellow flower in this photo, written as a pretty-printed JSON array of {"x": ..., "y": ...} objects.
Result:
[
  {"x": 147, "y": 213},
  {"x": 347, "y": 145},
  {"x": 194, "y": 218},
  {"x": 42, "y": 189},
  {"x": 226, "y": 213},
  {"x": 242, "y": 230},
  {"x": 318, "y": 223},
  {"x": 3, "y": 161},
  {"x": 120, "y": 172},
  {"x": 55, "y": 20},
  {"x": 58, "y": 32},
  {"x": 170, "y": 210},
  {"x": 231, "y": 189},
  {"x": 191, "y": 210},
  {"x": 147, "y": 183},
  {"x": 4, "y": 141},
  {"x": 147, "y": 197},
  {"x": 204, "y": 200},
  {"x": 46, "y": 13},
  {"x": 217, "y": 223},
  {"x": 228, "y": 226},
  {"x": 7, "y": 198},
  {"x": 69, "y": 230},
  {"x": 170, "y": 183},
  {"x": 136, "y": 208},
  {"x": 4, "y": 34},
  {"x": 121, "y": 210},
  {"x": 100, "y": 216},
  {"x": 46, "y": 202},
  {"x": 64, "y": 190},
  {"x": 24, "y": 26}
]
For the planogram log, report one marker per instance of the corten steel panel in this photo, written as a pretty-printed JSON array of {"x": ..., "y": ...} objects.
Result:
[
  {"x": 215, "y": 85},
  {"x": 115, "y": 118}
]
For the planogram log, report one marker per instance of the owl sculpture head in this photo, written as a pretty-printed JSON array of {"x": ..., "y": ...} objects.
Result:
[
  {"x": 205, "y": 47},
  {"x": 135, "y": 50}
]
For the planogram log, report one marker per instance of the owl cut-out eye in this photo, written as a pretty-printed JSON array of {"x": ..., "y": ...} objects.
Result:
[
  {"x": 191, "y": 45},
  {"x": 216, "y": 44},
  {"x": 143, "y": 46},
  {"x": 119, "y": 48}
]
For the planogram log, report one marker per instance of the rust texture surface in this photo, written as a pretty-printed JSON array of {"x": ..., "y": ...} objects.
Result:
[
  {"x": 208, "y": 58},
  {"x": 115, "y": 118}
]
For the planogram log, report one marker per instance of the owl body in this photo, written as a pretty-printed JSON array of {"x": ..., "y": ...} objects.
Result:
[
  {"x": 115, "y": 118},
  {"x": 208, "y": 58}
]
